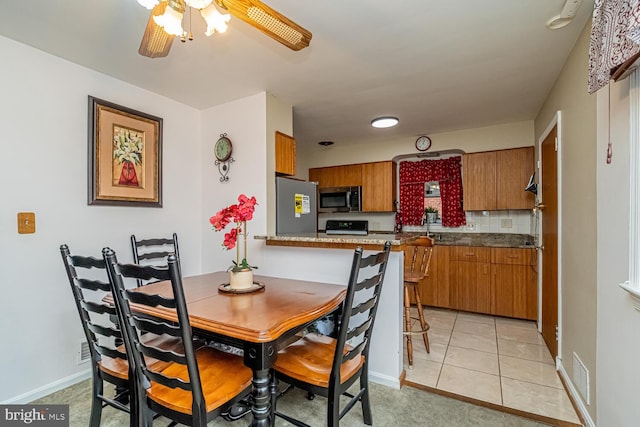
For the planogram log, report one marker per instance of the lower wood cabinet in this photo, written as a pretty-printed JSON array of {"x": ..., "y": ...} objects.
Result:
[
  {"x": 470, "y": 278},
  {"x": 514, "y": 291},
  {"x": 499, "y": 281}
]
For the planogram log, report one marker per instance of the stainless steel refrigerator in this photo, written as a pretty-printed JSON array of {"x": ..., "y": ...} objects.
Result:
[{"x": 296, "y": 206}]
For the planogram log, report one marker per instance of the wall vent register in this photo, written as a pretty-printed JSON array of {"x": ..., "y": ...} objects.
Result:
[{"x": 359, "y": 228}]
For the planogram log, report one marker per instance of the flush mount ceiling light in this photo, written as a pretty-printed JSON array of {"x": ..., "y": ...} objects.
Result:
[
  {"x": 325, "y": 143},
  {"x": 165, "y": 22},
  {"x": 569, "y": 10},
  {"x": 384, "y": 122}
]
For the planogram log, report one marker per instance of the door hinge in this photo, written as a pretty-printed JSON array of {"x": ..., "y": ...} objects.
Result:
[
  {"x": 556, "y": 143},
  {"x": 557, "y": 332}
]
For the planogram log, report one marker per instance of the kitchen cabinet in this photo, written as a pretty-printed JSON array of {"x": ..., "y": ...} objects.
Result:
[
  {"x": 378, "y": 186},
  {"x": 499, "y": 281},
  {"x": 514, "y": 291},
  {"x": 337, "y": 176},
  {"x": 377, "y": 179},
  {"x": 434, "y": 289},
  {"x": 479, "y": 181},
  {"x": 470, "y": 278},
  {"x": 495, "y": 180},
  {"x": 285, "y": 154}
]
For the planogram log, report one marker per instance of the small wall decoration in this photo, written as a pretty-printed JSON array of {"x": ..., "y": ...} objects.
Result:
[
  {"x": 125, "y": 156},
  {"x": 222, "y": 150}
]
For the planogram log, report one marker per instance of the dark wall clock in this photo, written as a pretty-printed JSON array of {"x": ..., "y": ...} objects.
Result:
[{"x": 423, "y": 143}]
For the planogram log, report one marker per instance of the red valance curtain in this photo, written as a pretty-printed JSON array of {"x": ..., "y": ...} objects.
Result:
[{"x": 413, "y": 175}]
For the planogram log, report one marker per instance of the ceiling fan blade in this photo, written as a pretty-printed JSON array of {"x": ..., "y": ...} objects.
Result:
[
  {"x": 270, "y": 22},
  {"x": 155, "y": 43}
]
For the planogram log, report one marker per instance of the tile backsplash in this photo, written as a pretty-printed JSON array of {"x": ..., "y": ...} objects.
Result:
[{"x": 510, "y": 221}]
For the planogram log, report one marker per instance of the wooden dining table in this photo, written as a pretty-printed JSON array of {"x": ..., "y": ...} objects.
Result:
[{"x": 260, "y": 323}]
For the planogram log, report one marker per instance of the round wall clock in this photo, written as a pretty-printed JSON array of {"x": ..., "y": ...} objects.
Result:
[
  {"x": 423, "y": 143},
  {"x": 223, "y": 148}
]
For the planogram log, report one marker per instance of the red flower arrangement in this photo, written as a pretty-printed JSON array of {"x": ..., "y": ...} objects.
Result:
[{"x": 239, "y": 213}]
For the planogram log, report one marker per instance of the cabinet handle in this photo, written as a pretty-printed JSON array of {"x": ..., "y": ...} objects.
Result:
[
  {"x": 512, "y": 256},
  {"x": 469, "y": 254}
]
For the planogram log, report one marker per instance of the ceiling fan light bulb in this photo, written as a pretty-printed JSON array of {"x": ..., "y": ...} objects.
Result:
[
  {"x": 215, "y": 20},
  {"x": 149, "y": 4},
  {"x": 198, "y": 4},
  {"x": 171, "y": 21}
]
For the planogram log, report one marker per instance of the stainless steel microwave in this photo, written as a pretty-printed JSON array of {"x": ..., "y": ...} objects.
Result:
[{"x": 339, "y": 199}]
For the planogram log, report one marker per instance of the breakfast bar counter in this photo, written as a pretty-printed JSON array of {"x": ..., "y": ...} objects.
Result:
[
  {"x": 371, "y": 241},
  {"x": 319, "y": 257}
]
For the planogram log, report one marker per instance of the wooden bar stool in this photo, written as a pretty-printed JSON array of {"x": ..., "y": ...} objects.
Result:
[{"x": 417, "y": 260}]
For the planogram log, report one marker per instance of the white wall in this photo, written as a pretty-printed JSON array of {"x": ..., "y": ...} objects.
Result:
[
  {"x": 578, "y": 218},
  {"x": 618, "y": 324},
  {"x": 43, "y": 118},
  {"x": 244, "y": 122}
]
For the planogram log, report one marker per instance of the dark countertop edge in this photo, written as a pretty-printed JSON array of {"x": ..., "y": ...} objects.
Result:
[
  {"x": 523, "y": 241},
  {"x": 370, "y": 239}
]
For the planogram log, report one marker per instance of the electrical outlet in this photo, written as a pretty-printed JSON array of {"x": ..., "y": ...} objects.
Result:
[
  {"x": 26, "y": 222},
  {"x": 506, "y": 223}
]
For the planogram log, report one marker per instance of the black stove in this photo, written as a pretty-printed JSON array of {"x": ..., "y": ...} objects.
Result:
[{"x": 353, "y": 227}]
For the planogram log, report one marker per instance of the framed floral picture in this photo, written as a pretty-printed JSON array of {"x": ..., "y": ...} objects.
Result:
[{"x": 125, "y": 156}]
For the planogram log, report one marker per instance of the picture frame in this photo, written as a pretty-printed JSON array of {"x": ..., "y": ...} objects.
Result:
[{"x": 125, "y": 156}]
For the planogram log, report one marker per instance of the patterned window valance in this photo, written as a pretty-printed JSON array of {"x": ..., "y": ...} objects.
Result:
[{"x": 615, "y": 38}]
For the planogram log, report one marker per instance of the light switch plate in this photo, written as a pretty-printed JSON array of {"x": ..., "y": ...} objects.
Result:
[{"x": 26, "y": 222}]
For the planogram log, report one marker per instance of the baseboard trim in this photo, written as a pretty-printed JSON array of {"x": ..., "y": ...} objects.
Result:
[
  {"x": 47, "y": 389},
  {"x": 500, "y": 408},
  {"x": 384, "y": 380},
  {"x": 575, "y": 397}
]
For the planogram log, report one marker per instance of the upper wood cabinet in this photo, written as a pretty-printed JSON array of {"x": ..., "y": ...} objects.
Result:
[
  {"x": 285, "y": 154},
  {"x": 513, "y": 170},
  {"x": 378, "y": 181},
  {"x": 378, "y": 186},
  {"x": 337, "y": 176},
  {"x": 479, "y": 181},
  {"x": 495, "y": 180}
]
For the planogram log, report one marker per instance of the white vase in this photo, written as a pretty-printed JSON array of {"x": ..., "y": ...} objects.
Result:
[{"x": 242, "y": 279}]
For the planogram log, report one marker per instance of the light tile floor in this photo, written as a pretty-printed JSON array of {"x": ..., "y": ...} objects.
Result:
[{"x": 493, "y": 359}]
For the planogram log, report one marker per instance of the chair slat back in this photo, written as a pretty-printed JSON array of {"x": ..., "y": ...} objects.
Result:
[
  {"x": 99, "y": 320},
  {"x": 359, "y": 308},
  {"x": 419, "y": 255},
  {"x": 153, "y": 252},
  {"x": 136, "y": 324}
]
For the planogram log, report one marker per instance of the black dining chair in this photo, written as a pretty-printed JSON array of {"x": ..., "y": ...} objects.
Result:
[
  {"x": 153, "y": 251},
  {"x": 108, "y": 359},
  {"x": 328, "y": 367},
  {"x": 196, "y": 384}
]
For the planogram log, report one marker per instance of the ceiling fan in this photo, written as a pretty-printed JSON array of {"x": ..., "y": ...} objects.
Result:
[{"x": 166, "y": 16}]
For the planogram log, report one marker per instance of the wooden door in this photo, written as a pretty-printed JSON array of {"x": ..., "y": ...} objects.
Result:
[
  {"x": 347, "y": 175},
  {"x": 378, "y": 187},
  {"x": 428, "y": 287},
  {"x": 514, "y": 291},
  {"x": 483, "y": 287},
  {"x": 285, "y": 154},
  {"x": 549, "y": 233},
  {"x": 441, "y": 269},
  {"x": 513, "y": 170},
  {"x": 463, "y": 277},
  {"x": 479, "y": 181}
]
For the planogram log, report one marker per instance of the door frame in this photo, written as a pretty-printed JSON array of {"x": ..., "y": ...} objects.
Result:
[{"x": 555, "y": 121}]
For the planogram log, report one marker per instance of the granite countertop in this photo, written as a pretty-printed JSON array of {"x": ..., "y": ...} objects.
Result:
[
  {"x": 375, "y": 238},
  {"x": 494, "y": 240}
]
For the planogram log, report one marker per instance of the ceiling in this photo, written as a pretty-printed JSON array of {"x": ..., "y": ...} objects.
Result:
[{"x": 436, "y": 65}]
